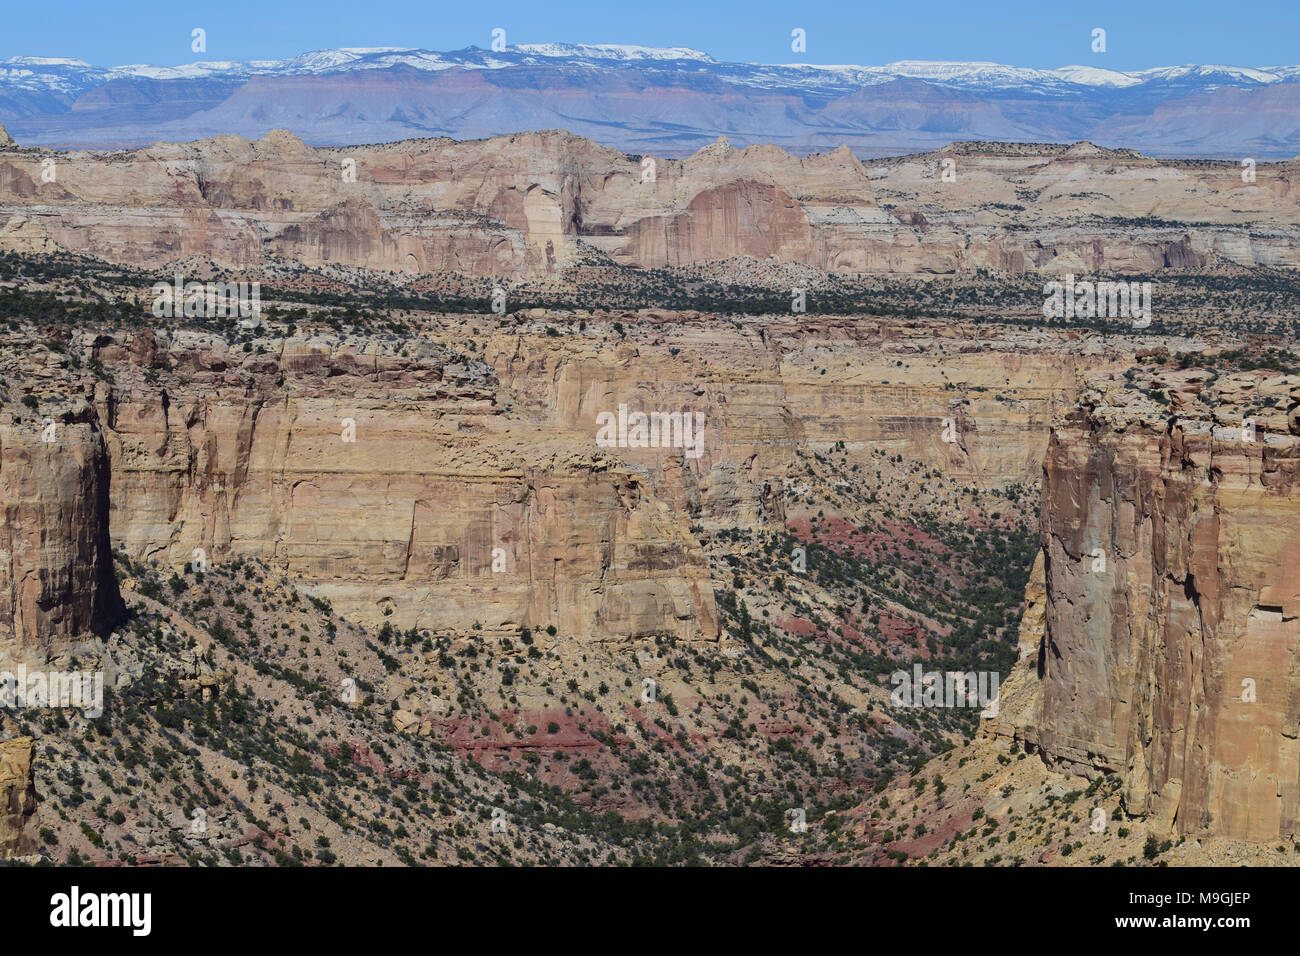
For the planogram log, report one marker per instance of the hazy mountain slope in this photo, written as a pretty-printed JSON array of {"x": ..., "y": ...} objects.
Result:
[{"x": 640, "y": 98}]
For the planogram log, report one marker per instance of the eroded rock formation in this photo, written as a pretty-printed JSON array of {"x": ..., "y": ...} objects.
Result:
[
  {"x": 56, "y": 577},
  {"x": 1171, "y": 620},
  {"x": 417, "y": 484},
  {"x": 17, "y": 797},
  {"x": 530, "y": 204}
]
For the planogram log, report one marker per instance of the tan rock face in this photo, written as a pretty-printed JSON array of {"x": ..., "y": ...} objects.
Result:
[
  {"x": 532, "y": 203},
  {"x": 17, "y": 797},
  {"x": 475, "y": 492},
  {"x": 433, "y": 490},
  {"x": 397, "y": 490},
  {"x": 436, "y": 490},
  {"x": 1174, "y": 662},
  {"x": 766, "y": 389},
  {"x": 56, "y": 576}
]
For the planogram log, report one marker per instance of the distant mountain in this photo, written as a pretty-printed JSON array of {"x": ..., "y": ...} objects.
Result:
[{"x": 641, "y": 99}]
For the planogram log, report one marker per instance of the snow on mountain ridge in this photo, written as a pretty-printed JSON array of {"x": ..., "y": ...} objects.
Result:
[
  {"x": 71, "y": 76},
  {"x": 45, "y": 61},
  {"x": 1095, "y": 76},
  {"x": 1204, "y": 70},
  {"x": 614, "y": 51}
]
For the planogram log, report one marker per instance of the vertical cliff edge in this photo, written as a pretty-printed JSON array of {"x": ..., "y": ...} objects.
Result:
[
  {"x": 1162, "y": 645},
  {"x": 57, "y": 588}
]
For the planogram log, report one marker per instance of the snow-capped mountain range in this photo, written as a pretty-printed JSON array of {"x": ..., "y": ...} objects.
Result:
[
  {"x": 72, "y": 77},
  {"x": 646, "y": 98}
]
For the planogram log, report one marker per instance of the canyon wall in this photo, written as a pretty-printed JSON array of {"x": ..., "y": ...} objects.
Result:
[
  {"x": 56, "y": 578},
  {"x": 529, "y": 204},
  {"x": 1166, "y": 645},
  {"x": 768, "y": 388},
  {"x": 17, "y": 797},
  {"x": 475, "y": 491},
  {"x": 397, "y": 487},
  {"x": 411, "y": 482}
]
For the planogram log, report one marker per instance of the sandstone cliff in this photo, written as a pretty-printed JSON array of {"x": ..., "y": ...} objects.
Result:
[
  {"x": 56, "y": 578},
  {"x": 1171, "y": 601},
  {"x": 416, "y": 483},
  {"x": 397, "y": 487},
  {"x": 531, "y": 204},
  {"x": 458, "y": 463},
  {"x": 17, "y": 797}
]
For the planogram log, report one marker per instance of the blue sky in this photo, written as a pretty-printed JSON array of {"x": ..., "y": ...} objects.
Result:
[{"x": 1043, "y": 33}]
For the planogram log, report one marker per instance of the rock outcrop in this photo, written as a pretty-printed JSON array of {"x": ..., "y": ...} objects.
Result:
[
  {"x": 530, "y": 204},
  {"x": 17, "y": 797},
  {"x": 56, "y": 578},
  {"x": 397, "y": 487},
  {"x": 411, "y": 483},
  {"x": 1171, "y": 625},
  {"x": 455, "y": 492}
]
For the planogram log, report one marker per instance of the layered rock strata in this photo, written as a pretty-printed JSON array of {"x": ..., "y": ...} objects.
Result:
[
  {"x": 57, "y": 587},
  {"x": 17, "y": 797},
  {"x": 1170, "y": 624},
  {"x": 412, "y": 483},
  {"x": 532, "y": 204}
]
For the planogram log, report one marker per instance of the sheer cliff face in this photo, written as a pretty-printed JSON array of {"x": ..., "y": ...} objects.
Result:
[
  {"x": 410, "y": 482},
  {"x": 769, "y": 389},
  {"x": 17, "y": 797},
  {"x": 56, "y": 578},
  {"x": 452, "y": 491},
  {"x": 397, "y": 487},
  {"x": 528, "y": 204},
  {"x": 1174, "y": 661}
]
